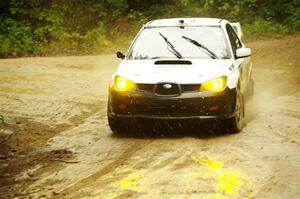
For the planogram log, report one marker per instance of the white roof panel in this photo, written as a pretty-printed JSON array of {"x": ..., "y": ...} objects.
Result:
[{"x": 186, "y": 22}]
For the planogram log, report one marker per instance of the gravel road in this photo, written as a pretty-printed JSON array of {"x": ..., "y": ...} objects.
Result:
[{"x": 55, "y": 141}]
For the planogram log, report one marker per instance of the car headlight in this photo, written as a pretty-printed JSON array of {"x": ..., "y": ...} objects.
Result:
[
  {"x": 214, "y": 85},
  {"x": 122, "y": 84}
]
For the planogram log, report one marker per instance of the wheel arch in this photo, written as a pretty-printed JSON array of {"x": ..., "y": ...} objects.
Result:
[{"x": 233, "y": 80}]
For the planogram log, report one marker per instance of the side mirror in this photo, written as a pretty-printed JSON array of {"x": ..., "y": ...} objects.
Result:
[
  {"x": 120, "y": 55},
  {"x": 243, "y": 52}
]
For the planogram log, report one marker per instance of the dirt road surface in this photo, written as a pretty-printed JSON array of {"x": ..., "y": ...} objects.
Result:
[{"x": 55, "y": 141}]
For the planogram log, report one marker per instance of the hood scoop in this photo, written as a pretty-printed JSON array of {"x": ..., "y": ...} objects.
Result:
[{"x": 172, "y": 62}]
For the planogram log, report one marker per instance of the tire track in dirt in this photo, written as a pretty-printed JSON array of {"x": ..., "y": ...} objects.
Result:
[
  {"x": 106, "y": 169},
  {"x": 19, "y": 147},
  {"x": 286, "y": 139},
  {"x": 28, "y": 134}
]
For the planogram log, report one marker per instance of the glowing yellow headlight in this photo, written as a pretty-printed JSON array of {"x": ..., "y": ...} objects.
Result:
[
  {"x": 214, "y": 85},
  {"x": 122, "y": 84}
]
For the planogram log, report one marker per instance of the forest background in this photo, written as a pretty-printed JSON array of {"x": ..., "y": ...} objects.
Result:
[{"x": 79, "y": 27}]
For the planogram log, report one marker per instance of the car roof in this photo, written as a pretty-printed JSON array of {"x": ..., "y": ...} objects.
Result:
[{"x": 185, "y": 22}]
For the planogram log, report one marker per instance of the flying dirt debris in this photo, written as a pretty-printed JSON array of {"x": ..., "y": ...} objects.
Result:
[{"x": 56, "y": 142}]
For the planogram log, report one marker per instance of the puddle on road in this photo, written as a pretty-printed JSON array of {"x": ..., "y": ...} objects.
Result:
[{"x": 20, "y": 90}]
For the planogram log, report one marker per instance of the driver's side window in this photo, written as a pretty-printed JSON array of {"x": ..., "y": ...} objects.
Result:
[{"x": 234, "y": 39}]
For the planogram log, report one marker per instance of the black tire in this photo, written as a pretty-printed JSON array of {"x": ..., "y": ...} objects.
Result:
[{"x": 235, "y": 124}]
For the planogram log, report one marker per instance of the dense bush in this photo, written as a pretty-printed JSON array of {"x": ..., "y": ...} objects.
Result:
[{"x": 46, "y": 27}]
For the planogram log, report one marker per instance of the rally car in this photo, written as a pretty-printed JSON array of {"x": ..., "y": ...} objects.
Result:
[{"x": 182, "y": 69}]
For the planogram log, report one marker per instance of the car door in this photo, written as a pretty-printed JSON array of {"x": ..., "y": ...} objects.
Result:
[{"x": 243, "y": 64}]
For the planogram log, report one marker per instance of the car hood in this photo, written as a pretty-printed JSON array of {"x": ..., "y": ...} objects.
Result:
[{"x": 146, "y": 71}]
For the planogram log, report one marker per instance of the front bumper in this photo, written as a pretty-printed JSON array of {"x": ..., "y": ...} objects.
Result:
[{"x": 190, "y": 105}]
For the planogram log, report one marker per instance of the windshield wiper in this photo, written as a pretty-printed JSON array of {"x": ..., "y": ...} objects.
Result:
[
  {"x": 201, "y": 46},
  {"x": 171, "y": 48}
]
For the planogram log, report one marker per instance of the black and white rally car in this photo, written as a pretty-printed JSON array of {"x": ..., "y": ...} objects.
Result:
[{"x": 180, "y": 69}]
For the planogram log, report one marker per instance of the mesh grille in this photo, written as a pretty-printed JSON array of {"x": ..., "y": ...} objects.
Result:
[
  {"x": 146, "y": 87},
  {"x": 184, "y": 87},
  {"x": 190, "y": 87}
]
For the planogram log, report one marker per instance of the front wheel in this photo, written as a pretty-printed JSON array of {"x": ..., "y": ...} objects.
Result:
[{"x": 235, "y": 124}]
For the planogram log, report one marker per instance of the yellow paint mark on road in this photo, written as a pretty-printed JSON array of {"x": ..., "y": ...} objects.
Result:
[
  {"x": 130, "y": 183},
  {"x": 20, "y": 90},
  {"x": 230, "y": 183}
]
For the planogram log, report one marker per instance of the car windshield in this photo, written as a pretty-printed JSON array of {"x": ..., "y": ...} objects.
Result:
[{"x": 152, "y": 44}]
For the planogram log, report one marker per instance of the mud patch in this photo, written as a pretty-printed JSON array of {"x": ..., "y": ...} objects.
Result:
[
  {"x": 22, "y": 170},
  {"x": 19, "y": 149}
]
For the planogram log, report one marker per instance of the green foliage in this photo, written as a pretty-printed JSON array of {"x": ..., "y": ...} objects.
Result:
[
  {"x": 260, "y": 26},
  {"x": 16, "y": 38},
  {"x": 91, "y": 26}
]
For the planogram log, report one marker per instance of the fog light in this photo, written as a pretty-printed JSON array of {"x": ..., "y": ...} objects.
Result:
[
  {"x": 214, "y": 108},
  {"x": 122, "y": 107}
]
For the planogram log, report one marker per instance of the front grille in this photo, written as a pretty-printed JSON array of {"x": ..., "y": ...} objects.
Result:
[
  {"x": 146, "y": 87},
  {"x": 173, "y": 62},
  {"x": 184, "y": 87},
  {"x": 167, "y": 89},
  {"x": 190, "y": 87}
]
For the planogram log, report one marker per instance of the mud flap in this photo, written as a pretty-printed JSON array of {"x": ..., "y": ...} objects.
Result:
[{"x": 243, "y": 104}]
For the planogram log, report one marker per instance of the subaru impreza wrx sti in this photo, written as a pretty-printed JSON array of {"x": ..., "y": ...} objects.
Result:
[{"x": 182, "y": 69}]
